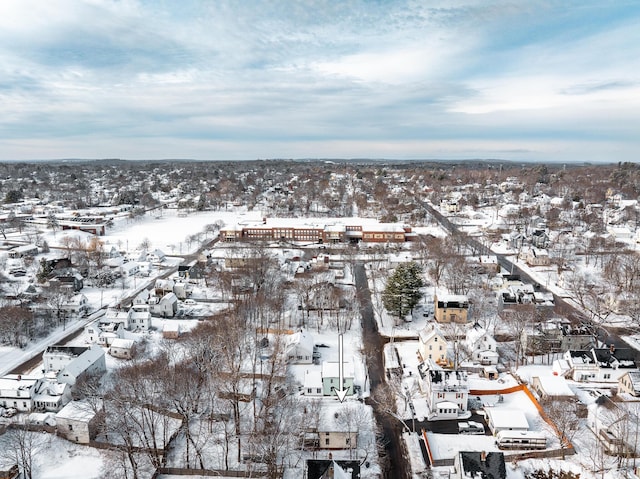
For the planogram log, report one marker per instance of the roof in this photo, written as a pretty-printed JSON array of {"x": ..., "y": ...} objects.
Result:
[
  {"x": 304, "y": 340},
  {"x": 330, "y": 369},
  {"x": 123, "y": 343},
  {"x": 77, "y": 411},
  {"x": 483, "y": 465},
  {"x": 84, "y": 361},
  {"x": 504, "y": 418},
  {"x": 554, "y": 386},
  {"x": 16, "y": 381},
  {"x": 634, "y": 377},
  {"x": 313, "y": 378}
]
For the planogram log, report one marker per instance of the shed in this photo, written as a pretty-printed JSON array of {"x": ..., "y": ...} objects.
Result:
[{"x": 504, "y": 419}]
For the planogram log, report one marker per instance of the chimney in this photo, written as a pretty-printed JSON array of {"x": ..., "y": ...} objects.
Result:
[
  {"x": 19, "y": 377},
  {"x": 483, "y": 456},
  {"x": 612, "y": 349}
]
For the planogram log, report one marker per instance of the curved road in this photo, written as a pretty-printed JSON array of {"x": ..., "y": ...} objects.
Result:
[{"x": 395, "y": 465}]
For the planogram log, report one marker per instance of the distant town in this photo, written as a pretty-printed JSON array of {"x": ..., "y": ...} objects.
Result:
[{"x": 319, "y": 319}]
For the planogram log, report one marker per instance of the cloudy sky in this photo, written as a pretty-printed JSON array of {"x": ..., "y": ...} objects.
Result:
[{"x": 241, "y": 79}]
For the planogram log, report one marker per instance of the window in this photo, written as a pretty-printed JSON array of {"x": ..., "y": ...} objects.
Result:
[
  {"x": 347, "y": 441},
  {"x": 430, "y": 347},
  {"x": 326, "y": 442},
  {"x": 70, "y": 427},
  {"x": 607, "y": 376}
]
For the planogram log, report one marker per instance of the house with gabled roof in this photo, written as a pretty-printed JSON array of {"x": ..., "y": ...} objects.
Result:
[
  {"x": 481, "y": 346},
  {"x": 432, "y": 344},
  {"x": 629, "y": 383},
  {"x": 299, "y": 348},
  {"x": 331, "y": 377},
  {"x": 447, "y": 391},
  {"x": 600, "y": 365},
  {"x": 72, "y": 362}
]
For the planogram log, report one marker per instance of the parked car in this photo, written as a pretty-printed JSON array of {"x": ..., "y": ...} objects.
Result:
[{"x": 190, "y": 301}]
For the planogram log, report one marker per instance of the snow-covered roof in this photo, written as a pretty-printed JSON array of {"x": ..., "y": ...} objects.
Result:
[
  {"x": 122, "y": 343},
  {"x": 77, "y": 411},
  {"x": 555, "y": 386},
  {"x": 302, "y": 339},
  {"x": 330, "y": 369},
  {"x": 504, "y": 418},
  {"x": 313, "y": 378},
  {"x": 13, "y": 382}
]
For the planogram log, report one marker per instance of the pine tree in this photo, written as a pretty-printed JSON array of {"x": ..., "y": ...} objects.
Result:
[{"x": 402, "y": 292}]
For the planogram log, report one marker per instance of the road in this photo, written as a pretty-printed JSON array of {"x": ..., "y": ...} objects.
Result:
[{"x": 395, "y": 465}]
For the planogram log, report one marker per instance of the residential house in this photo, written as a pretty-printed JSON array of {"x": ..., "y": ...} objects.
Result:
[
  {"x": 163, "y": 286},
  {"x": 123, "y": 348},
  {"x": 450, "y": 308},
  {"x": 157, "y": 256},
  {"x": 68, "y": 280},
  {"x": 116, "y": 315},
  {"x": 140, "y": 318},
  {"x": 482, "y": 465},
  {"x": 16, "y": 391},
  {"x": 331, "y": 378},
  {"x": 432, "y": 344},
  {"x": 615, "y": 424},
  {"x": 481, "y": 346},
  {"x": 79, "y": 421},
  {"x": 539, "y": 239},
  {"x": 104, "y": 333},
  {"x": 171, "y": 331},
  {"x": 551, "y": 387},
  {"x": 447, "y": 392},
  {"x": 336, "y": 428},
  {"x": 129, "y": 269},
  {"x": 73, "y": 363},
  {"x": 312, "y": 385},
  {"x": 537, "y": 257},
  {"x": 142, "y": 298},
  {"x": 166, "y": 307},
  {"x": 299, "y": 348},
  {"x": 629, "y": 383},
  {"x": 77, "y": 304},
  {"x": 555, "y": 335},
  {"x": 600, "y": 365},
  {"x": 23, "y": 251},
  {"x": 50, "y": 395},
  {"x": 505, "y": 419}
]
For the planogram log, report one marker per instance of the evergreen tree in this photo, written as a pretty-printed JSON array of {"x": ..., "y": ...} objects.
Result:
[{"x": 402, "y": 292}]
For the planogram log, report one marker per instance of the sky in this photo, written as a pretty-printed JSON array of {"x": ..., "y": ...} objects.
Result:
[{"x": 530, "y": 80}]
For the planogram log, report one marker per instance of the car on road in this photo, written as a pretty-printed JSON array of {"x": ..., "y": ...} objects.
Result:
[{"x": 190, "y": 301}]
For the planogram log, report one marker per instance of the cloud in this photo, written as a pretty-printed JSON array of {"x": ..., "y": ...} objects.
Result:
[{"x": 312, "y": 77}]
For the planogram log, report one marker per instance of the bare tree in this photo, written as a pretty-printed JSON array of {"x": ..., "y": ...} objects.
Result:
[
  {"x": 563, "y": 413},
  {"x": 20, "y": 446}
]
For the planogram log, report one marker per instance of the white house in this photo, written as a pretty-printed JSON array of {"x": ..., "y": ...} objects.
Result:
[
  {"x": 299, "y": 348},
  {"x": 156, "y": 256},
  {"x": 72, "y": 363},
  {"x": 140, "y": 320},
  {"x": 123, "y": 348},
  {"x": 129, "y": 269},
  {"x": 79, "y": 421},
  {"x": 142, "y": 298},
  {"x": 447, "y": 391},
  {"x": 481, "y": 346},
  {"x": 50, "y": 395},
  {"x": 113, "y": 315},
  {"x": 16, "y": 391},
  {"x": 76, "y": 304},
  {"x": 336, "y": 428},
  {"x": 505, "y": 419},
  {"x": 312, "y": 385},
  {"x": 104, "y": 333},
  {"x": 166, "y": 307},
  {"x": 600, "y": 365},
  {"x": 433, "y": 344}
]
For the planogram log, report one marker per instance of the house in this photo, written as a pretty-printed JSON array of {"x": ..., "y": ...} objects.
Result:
[
  {"x": 129, "y": 269},
  {"x": 104, "y": 333},
  {"x": 166, "y": 307},
  {"x": 600, "y": 365},
  {"x": 77, "y": 304},
  {"x": 537, "y": 257},
  {"x": 162, "y": 287},
  {"x": 123, "y": 348},
  {"x": 554, "y": 336},
  {"x": 312, "y": 385},
  {"x": 504, "y": 419},
  {"x": 432, "y": 344},
  {"x": 23, "y": 251},
  {"x": 451, "y": 308},
  {"x": 142, "y": 298},
  {"x": 481, "y": 465},
  {"x": 447, "y": 391},
  {"x": 171, "y": 331},
  {"x": 73, "y": 363},
  {"x": 139, "y": 319},
  {"x": 551, "y": 387},
  {"x": 79, "y": 421},
  {"x": 331, "y": 379},
  {"x": 336, "y": 427},
  {"x": 615, "y": 424},
  {"x": 68, "y": 280},
  {"x": 16, "y": 391},
  {"x": 49, "y": 395},
  {"x": 629, "y": 383},
  {"x": 156, "y": 256},
  {"x": 299, "y": 348},
  {"x": 481, "y": 346}
]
